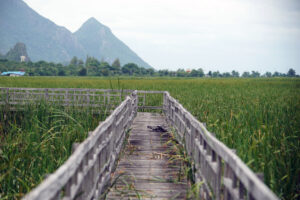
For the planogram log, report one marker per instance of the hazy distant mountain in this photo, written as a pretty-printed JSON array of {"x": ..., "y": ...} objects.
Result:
[
  {"x": 100, "y": 42},
  {"x": 43, "y": 38},
  {"x": 17, "y": 53},
  {"x": 47, "y": 41}
]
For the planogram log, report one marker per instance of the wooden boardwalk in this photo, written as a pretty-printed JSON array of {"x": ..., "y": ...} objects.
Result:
[{"x": 144, "y": 170}]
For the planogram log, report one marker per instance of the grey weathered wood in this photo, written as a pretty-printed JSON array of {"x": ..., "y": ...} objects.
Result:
[
  {"x": 62, "y": 96},
  {"x": 71, "y": 97},
  {"x": 151, "y": 107},
  {"x": 250, "y": 182},
  {"x": 144, "y": 99},
  {"x": 74, "y": 146},
  {"x": 150, "y": 92},
  {"x": 71, "y": 89},
  {"x": 260, "y": 176},
  {"x": 77, "y": 174},
  {"x": 144, "y": 165}
]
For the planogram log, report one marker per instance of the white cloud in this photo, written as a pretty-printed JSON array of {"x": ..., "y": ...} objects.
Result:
[{"x": 171, "y": 33}]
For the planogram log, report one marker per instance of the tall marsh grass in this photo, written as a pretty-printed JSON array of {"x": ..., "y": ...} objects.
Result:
[
  {"x": 35, "y": 141},
  {"x": 260, "y": 118}
]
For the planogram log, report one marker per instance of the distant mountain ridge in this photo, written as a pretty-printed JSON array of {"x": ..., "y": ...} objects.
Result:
[
  {"x": 99, "y": 41},
  {"x": 47, "y": 41},
  {"x": 43, "y": 38}
]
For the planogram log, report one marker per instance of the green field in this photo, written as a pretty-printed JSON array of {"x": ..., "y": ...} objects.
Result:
[{"x": 257, "y": 117}]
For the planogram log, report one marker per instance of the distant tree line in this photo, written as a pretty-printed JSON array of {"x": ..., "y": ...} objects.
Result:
[{"x": 94, "y": 67}]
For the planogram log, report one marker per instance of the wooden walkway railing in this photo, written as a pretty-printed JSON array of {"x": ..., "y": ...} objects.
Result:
[
  {"x": 73, "y": 97},
  {"x": 224, "y": 174},
  {"x": 76, "y": 97},
  {"x": 86, "y": 174}
]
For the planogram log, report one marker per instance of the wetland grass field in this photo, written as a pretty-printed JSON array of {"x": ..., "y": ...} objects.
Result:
[{"x": 260, "y": 118}]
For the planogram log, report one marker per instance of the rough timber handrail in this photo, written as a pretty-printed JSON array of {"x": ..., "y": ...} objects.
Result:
[
  {"x": 76, "y": 97},
  {"x": 72, "y": 97},
  {"x": 212, "y": 157},
  {"x": 86, "y": 173}
]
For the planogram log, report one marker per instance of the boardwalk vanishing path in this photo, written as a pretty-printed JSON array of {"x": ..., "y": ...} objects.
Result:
[{"x": 144, "y": 170}]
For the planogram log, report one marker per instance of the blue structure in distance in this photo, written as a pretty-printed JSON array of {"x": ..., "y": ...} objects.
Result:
[{"x": 13, "y": 73}]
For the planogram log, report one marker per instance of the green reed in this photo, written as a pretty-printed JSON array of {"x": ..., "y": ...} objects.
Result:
[
  {"x": 257, "y": 117},
  {"x": 35, "y": 141}
]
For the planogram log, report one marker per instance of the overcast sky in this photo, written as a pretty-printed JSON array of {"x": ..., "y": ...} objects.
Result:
[{"x": 245, "y": 35}]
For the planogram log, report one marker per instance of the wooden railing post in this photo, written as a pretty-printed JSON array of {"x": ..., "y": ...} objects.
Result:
[
  {"x": 7, "y": 95},
  {"x": 46, "y": 94},
  {"x": 88, "y": 93},
  {"x": 66, "y": 98},
  {"x": 144, "y": 99},
  {"x": 112, "y": 149},
  {"x": 108, "y": 97},
  {"x": 165, "y": 104},
  {"x": 218, "y": 177},
  {"x": 136, "y": 101}
]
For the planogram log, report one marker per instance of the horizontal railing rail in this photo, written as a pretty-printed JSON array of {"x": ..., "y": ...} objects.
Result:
[
  {"x": 78, "y": 97},
  {"x": 68, "y": 97},
  {"x": 150, "y": 100},
  {"x": 225, "y": 175},
  {"x": 86, "y": 174}
]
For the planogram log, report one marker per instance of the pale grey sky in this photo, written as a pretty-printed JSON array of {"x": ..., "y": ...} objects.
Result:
[{"x": 245, "y": 35}]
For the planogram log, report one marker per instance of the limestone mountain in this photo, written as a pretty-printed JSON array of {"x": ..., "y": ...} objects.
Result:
[
  {"x": 100, "y": 42},
  {"x": 47, "y": 41},
  {"x": 44, "y": 39},
  {"x": 17, "y": 53}
]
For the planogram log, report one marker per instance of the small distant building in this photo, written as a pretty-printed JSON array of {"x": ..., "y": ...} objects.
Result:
[
  {"x": 13, "y": 73},
  {"x": 23, "y": 58}
]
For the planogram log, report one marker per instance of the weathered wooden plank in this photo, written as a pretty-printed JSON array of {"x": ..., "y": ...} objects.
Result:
[
  {"x": 150, "y": 92},
  {"x": 144, "y": 166},
  {"x": 68, "y": 89},
  {"x": 150, "y": 107}
]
